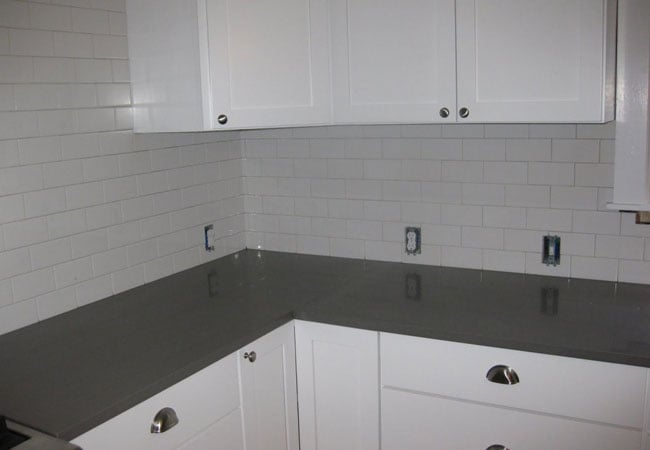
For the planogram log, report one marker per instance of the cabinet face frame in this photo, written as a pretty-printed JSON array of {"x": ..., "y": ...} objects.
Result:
[
  {"x": 434, "y": 35},
  {"x": 593, "y": 80}
]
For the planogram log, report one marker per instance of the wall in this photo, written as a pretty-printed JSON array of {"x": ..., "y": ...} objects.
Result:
[
  {"x": 87, "y": 208},
  {"x": 484, "y": 196}
]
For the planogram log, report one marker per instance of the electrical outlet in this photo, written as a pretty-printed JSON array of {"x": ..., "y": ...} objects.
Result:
[
  {"x": 413, "y": 240},
  {"x": 209, "y": 237},
  {"x": 551, "y": 250}
]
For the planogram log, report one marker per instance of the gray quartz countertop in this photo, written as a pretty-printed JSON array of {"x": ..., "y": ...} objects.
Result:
[{"x": 70, "y": 373}]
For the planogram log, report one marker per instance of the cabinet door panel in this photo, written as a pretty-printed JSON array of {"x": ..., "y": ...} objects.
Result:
[
  {"x": 269, "y": 396},
  {"x": 419, "y": 422},
  {"x": 224, "y": 435},
  {"x": 269, "y": 63},
  {"x": 532, "y": 60},
  {"x": 393, "y": 61},
  {"x": 338, "y": 389}
]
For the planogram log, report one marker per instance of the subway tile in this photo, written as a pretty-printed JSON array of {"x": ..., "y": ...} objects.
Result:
[
  {"x": 126, "y": 279},
  {"x": 576, "y": 150},
  {"x": 66, "y": 223},
  {"x": 158, "y": 268},
  {"x": 80, "y": 146},
  {"x": 507, "y": 130},
  {"x": 93, "y": 70},
  {"x": 549, "y": 219},
  {"x": 335, "y": 228},
  {"x": 578, "y": 244},
  {"x": 441, "y": 234},
  {"x": 574, "y": 197},
  {"x": 461, "y": 215},
  {"x": 364, "y": 229},
  {"x": 50, "y": 253},
  {"x": 505, "y": 172},
  {"x": 477, "y": 237},
  {"x": 484, "y": 149},
  {"x": 100, "y": 168},
  {"x": 278, "y": 205},
  {"x": 534, "y": 265},
  {"x": 275, "y": 167},
  {"x": 14, "y": 262},
  {"x": 596, "y": 222},
  {"x": 382, "y": 169},
  {"x": 62, "y": 173},
  {"x": 363, "y": 148},
  {"x": 92, "y": 290},
  {"x": 558, "y": 131},
  {"x": 383, "y": 251},
  {"x": 422, "y": 170},
  {"x": 142, "y": 252},
  {"x": 633, "y": 271},
  {"x": 113, "y": 94},
  {"x": 594, "y": 268},
  {"x": 607, "y": 151},
  {"x": 442, "y": 149},
  {"x": 16, "y": 69},
  {"x": 7, "y": 98},
  {"x": 468, "y": 258},
  {"x": 105, "y": 46},
  {"x": 84, "y": 195},
  {"x": 14, "y": 14},
  {"x": 403, "y": 148},
  {"x": 381, "y": 210},
  {"x": 504, "y": 217},
  {"x": 421, "y": 131},
  {"x": 19, "y": 124},
  {"x": 89, "y": 243},
  {"x": 99, "y": 119},
  {"x": 120, "y": 70},
  {"x": 30, "y": 42},
  {"x": 14, "y": 180},
  {"x": 12, "y": 208},
  {"x": 483, "y": 194},
  {"x": 442, "y": 192},
  {"x": 462, "y": 171},
  {"x": 528, "y": 149},
  {"x": 73, "y": 45},
  {"x": 621, "y": 247},
  {"x": 344, "y": 168},
  {"x": 526, "y": 195},
  {"x": 41, "y": 203},
  {"x": 310, "y": 168},
  {"x": 50, "y": 17},
  {"x": 39, "y": 150},
  {"x": 327, "y": 188},
  {"x": 56, "y": 302},
  {"x": 463, "y": 131},
  {"x": 9, "y": 156},
  {"x": 345, "y": 209},
  {"x": 420, "y": 213},
  {"x": 54, "y": 70},
  {"x": 599, "y": 175},
  {"x": 504, "y": 261},
  {"x": 597, "y": 131},
  {"x": 311, "y": 207},
  {"x": 363, "y": 189},
  {"x": 25, "y": 232},
  {"x": 326, "y": 148},
  {"x": 313, "y": 245},
  {"x": 103, "y": 216},
  {"x": 347, "y": 248},
  {"x": 117, "y": 22},
  {"x": 56, "y": 122},
  {"x": 553, "y": 174},
  {"x": 523, "y": 240},
  {"x": 19, "y": 314},
  {"x": 109, "y": 261},
  {"x": 32, "y": 284},
  {"x": 381, "y": 131},
  {"x": 89, "y": 21},
  {"x": 294, "y": 225},
  {"x": 401, "y": 191}
]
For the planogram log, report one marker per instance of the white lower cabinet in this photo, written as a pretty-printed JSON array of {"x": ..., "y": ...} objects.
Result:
[
  {"x": 234, "y": 404},
  {"x": 412, "y": 421},
  {"x": 269, "y": 396},
  {"x": 200, "y": 402},
  {"x": 338, "y": 387}
]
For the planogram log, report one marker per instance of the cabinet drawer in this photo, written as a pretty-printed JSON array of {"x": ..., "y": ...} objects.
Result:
[
  {"x": 421, "y": 422},
  {"x": 601, "y": 392},
  {"x": 199, "y": 401}
]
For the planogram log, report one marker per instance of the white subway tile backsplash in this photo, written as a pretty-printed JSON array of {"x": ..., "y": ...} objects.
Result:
[
  {"x": 548, "y": 219},
  {"x": 504, "y": 261},
  {"x": 462, "y": 171},
  {"x": 461, "y": 215},
  {"x": 594, "y": 268},
  {"x": 596, "y": 222},
  {"x": 527, "y": 195},
  {"x": 553, "y": 174},
  {"x": 484, "y": 149},
  {"x": 504, "y": 217},
  {"x": 576, "y": 150},
  {"x": 574, "y": 197},
  {"x": 599, "y": 175},
  {"x": 483, "y": 194}
]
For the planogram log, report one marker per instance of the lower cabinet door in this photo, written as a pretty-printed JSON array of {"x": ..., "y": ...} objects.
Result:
[
  {"x": 224, "y": 435},
  {"x": 413, "y": 421},
  {"x": 269, "y": 397},
  {"x": 198, "y": 401},
  {"x": 338, "y": 387}
]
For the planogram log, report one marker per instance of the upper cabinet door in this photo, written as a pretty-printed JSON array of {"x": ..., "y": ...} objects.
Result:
[
  {"x": 536, "y": 60},
  {"x": 268, "y": 63},
  {"x": 393, "y": 61}
]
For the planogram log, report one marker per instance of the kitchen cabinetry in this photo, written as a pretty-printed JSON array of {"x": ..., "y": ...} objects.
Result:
[
  {"x": 393, "y": 61},
  {"x": 220, "y": 64},
  {"x": 208, "y": 407},
  {"x": 551, "y": 402},
  {"x": 208, "y": 400},
  {"x": 338, "y": 387},
  {"x": 269, "y": 395},
  {"x": 504, "y": 61}
]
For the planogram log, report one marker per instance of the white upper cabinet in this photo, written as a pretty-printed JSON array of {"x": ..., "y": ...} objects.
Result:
[
  {"x": 536, "y": 60},
  {"x": 393, "y": 61},
  {"x": 219, "y": 64},
  {"x": 269, "y": 62}
]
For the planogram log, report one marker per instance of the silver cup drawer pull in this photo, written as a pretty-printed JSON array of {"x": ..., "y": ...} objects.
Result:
[
  {"x": 497, "y": 447},
  {"x": 502, "y": 375},
  {"x": 164, "y": 420}
]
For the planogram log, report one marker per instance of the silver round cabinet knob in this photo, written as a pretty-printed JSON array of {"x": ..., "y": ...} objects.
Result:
[
  {"x": 222, "y": 119},
  {"x": 444, "y": 112},
  {"x": 252, "y": 356},
  {"x": 463, "y": 112}
]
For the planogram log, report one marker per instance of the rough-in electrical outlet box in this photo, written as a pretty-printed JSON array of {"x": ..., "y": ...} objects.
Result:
[
  {"x": 551, "y": 250},
  {"x": 413, "y": 242},
  {"x": 208, "y": 235}
]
